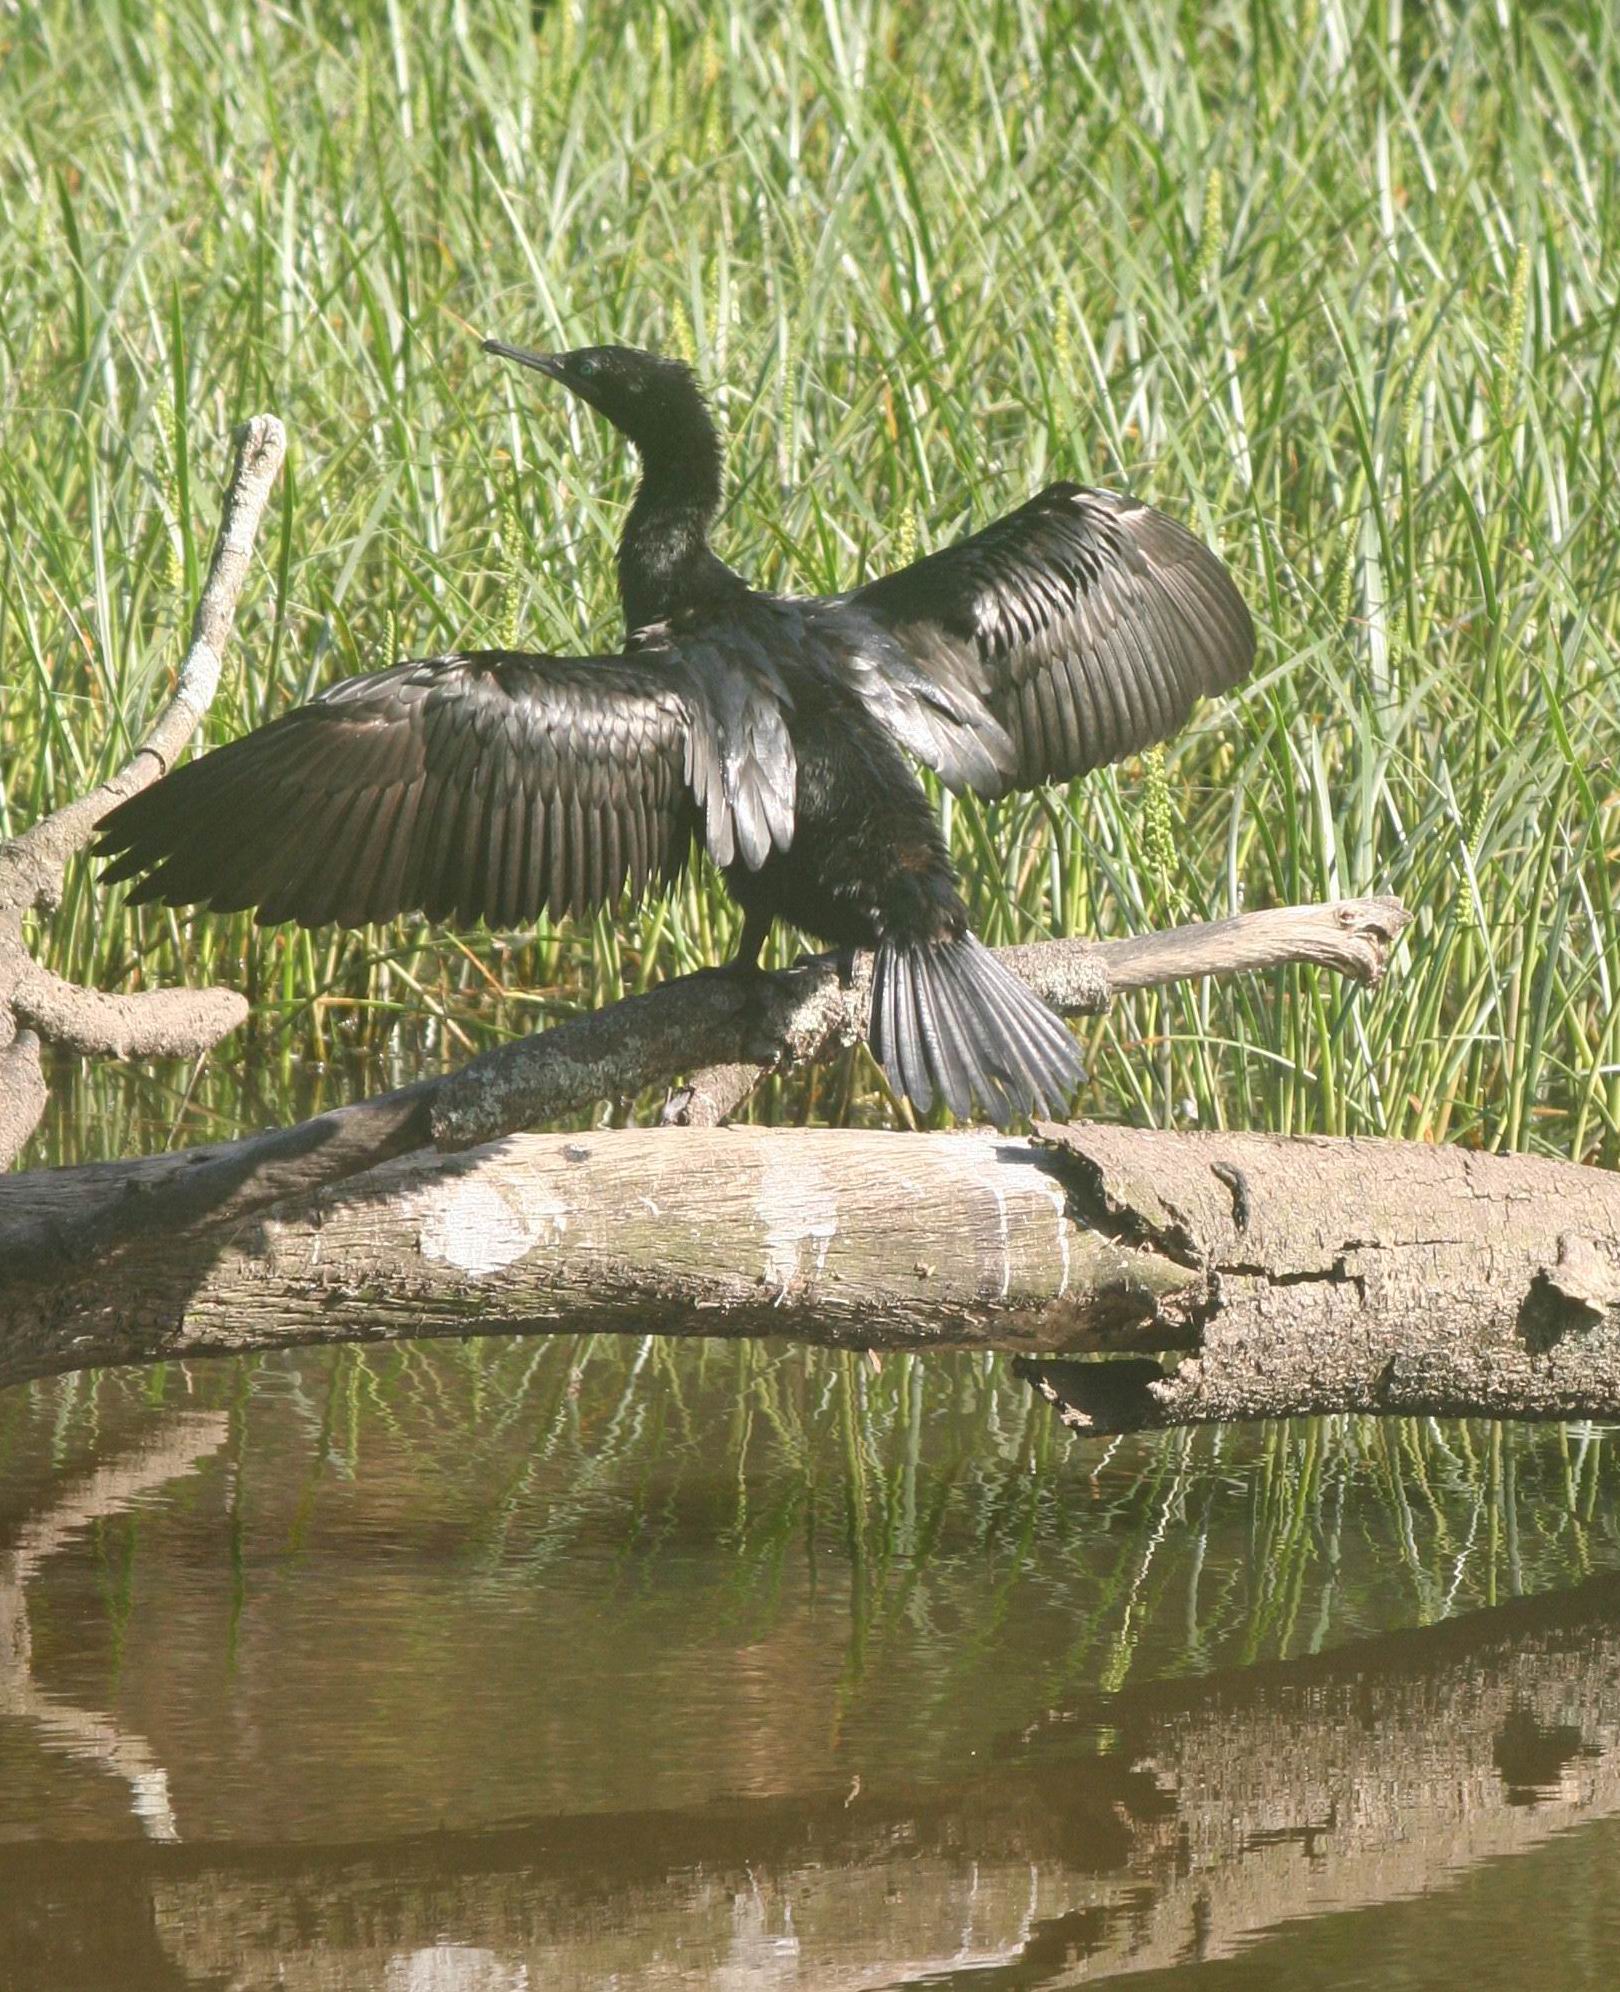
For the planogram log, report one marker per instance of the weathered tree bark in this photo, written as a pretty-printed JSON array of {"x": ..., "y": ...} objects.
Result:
[{"x": 1282, "y": 1276}]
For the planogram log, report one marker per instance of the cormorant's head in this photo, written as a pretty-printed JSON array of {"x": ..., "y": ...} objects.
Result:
[{"x": 655, "y": 402}]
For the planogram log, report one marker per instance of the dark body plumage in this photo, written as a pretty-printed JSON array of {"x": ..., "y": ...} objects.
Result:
[{"x": 1078, "y": 629}]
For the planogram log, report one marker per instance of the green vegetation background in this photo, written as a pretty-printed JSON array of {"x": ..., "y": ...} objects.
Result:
[{"x": 1334, "y": 282}]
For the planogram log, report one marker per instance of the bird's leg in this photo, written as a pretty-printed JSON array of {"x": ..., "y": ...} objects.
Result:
[
  {"x": 756, "y": 987},
  {"x": 744, "y": 963},
  {"x": 756, "y": 931},
  {"x": 757, "y": 925}
]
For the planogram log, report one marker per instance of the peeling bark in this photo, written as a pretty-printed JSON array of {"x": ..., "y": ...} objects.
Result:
[{"x": 1355, "y": 1275}]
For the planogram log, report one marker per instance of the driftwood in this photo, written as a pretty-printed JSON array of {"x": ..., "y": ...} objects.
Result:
[
  {"x": 1127, "y": 1831},
  {"x": 1292, "y": 1276}
]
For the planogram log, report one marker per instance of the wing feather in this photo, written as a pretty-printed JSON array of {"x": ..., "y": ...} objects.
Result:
[
  {"x": 483, "y": 786},
  {"x": 1074, "y": 631},
  {"x": 379, "y": 872}
]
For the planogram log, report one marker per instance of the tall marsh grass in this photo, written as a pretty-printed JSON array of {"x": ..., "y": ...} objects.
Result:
[{"x": 1336, "y": 282}]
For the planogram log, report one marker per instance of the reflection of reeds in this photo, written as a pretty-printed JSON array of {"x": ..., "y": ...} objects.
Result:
[
  {"x": 914, "y": 1484},
  {"x": 817, "y": 1552},
  {"x": 1206, "y": 1813}
]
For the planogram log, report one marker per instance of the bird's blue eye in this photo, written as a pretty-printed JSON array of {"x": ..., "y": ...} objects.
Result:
[{"x": 585, "y": 367}]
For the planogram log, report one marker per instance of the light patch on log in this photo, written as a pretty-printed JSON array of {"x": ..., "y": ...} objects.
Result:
[
  {"x": 1006, "y": 1236},
  {"x": 478, "y": 1228},
  {"x": 796, "y": 1206},
  {"x": 1063, "y": 1223},
  {"x": 979, "y": 1160}
]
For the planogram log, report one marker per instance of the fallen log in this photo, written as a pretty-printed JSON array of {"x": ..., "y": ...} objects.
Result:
[{"x": 1260, "y": 1276}]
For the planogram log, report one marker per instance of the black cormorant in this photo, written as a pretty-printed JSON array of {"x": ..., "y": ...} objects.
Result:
[{"x": 492, "y": 784}]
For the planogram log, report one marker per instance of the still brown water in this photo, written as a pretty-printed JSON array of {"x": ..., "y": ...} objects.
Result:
[
  {"x": 618, "y": 1664},
  {"x": 605, "y": 1663}
]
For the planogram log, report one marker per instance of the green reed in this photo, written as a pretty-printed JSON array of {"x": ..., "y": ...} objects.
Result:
[{"x": 1333, "y": 281}]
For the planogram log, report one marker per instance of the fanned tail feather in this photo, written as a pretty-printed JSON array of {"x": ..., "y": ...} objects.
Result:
[{"x": 949, "y": 1022}]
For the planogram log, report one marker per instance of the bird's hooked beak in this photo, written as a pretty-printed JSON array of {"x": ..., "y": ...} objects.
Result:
[{"x": 546, "y": 363}]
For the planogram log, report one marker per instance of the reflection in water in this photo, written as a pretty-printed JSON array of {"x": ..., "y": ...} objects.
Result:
[
  {"x": 173, "y": 1449},
  {"x": 609, "y": 1665}
]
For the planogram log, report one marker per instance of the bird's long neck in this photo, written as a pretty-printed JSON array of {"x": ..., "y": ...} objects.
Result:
[{"x": 665, "y": 564}]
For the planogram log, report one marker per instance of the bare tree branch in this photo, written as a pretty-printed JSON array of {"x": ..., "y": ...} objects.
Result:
[
  {"x": 1081, "y": 978},
  {"x": 152, "y": 1023},
  {"x": 36, "y": 1004},
  {"x": 35, "y": 861},
  {"x": 23, "y": 1093},
  {"x": 1349, "y": 936},
  {"x": 733, "y": 1029}
]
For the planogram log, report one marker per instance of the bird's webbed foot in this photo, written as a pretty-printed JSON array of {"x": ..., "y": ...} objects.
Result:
[{"x": 841, "y": 960}]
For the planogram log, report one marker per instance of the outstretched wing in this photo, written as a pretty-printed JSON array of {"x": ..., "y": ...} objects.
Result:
[
  {"x": 484, "y": 786},
  {"x": 1084, "y": 625}
]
